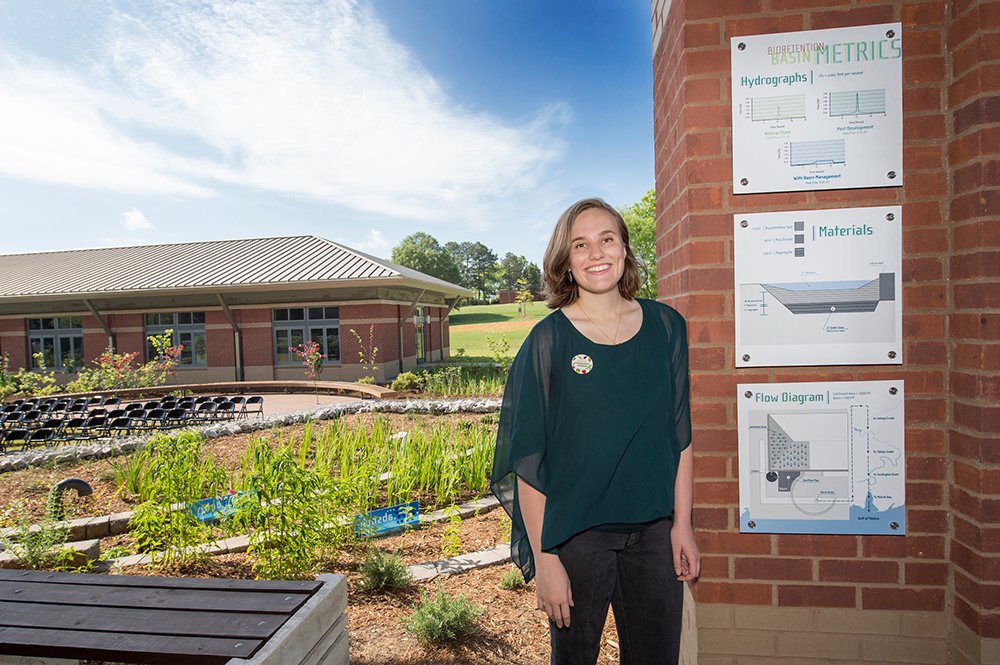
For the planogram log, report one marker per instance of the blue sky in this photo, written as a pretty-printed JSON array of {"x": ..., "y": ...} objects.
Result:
[{"x": 362, "y": 121}]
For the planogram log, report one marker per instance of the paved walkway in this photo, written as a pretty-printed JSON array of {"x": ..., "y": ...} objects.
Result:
[{"x": 275, "y": 404}]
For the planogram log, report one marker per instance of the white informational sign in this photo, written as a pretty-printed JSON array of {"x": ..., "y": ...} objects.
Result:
[
  {"x": 819, "y": 109},
  {"x": 822, "y": 457},
  {"x": 819, "y": 287}
]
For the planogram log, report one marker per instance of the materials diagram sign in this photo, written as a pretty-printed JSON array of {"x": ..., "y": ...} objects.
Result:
[
  {"x": 822, "y": 457},
  {"x": 819, "y": 109},
  {"x": 819, "y": 287}
]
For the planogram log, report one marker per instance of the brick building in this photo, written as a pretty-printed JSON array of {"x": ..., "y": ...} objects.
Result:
[
  {"x": 238, "y": 307},
  {"x": 932, "y": 596}
]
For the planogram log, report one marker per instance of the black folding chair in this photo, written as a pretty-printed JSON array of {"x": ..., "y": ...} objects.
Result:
[
  {"x": 40, "y": 436},
  {"x": 151, "y": 419},
  {"x": 253, "y": 406},
  {"x": 175, "y": 418},
  {"x": 204, "y": 413},
  {"x": 225, "y": 411},
  {"x": 120, "y": 427},
  {"x": 94, "y": 427},
  {"x": 73, "y": 429},
  {"x": 18, "y": 437}
]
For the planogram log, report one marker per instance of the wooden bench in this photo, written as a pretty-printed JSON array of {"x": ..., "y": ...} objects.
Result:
[{"x": 136, "y": 619}]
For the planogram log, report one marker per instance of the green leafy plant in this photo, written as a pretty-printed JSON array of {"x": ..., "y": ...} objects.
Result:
[
  {"x": 500, "y": 350},
  {"x": 380, "y": 570},
  {"x": 115, "y": 371},
  {"x": 286, "y": 511},
  {"x": 451, "y": 539},
  {"x": 35, "y": 546},
  {"x": 367, "y": 355},
  {"x": 176, "y": 475},
  {"x": 511, "y": 580},
  {"x": 442, "y": 618},
  {"x": 404, "y": 381},
  {"x": 117, "y": 552}
]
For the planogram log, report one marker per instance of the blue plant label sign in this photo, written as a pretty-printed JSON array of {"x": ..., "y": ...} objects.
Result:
[
  {"x": 207, "y": 510},
  {"x": 387, "y": 519}
]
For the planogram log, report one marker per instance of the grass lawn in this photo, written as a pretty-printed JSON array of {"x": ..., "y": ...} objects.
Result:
[{"x": 473, "y": 323}]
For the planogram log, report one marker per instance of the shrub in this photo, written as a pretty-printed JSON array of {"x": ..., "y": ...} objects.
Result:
[
  {"x": 511, "y": 580},
  {"x": 404, "y": 381},
  {"x": 381, "y": 570},
  {"x": 442, "y": 618}
]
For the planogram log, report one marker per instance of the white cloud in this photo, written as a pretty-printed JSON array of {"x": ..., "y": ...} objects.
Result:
[
  {"x": 135, "y": 220},
  {"x": 375, "y": 241},
  {"x": 309, "y": 98}
]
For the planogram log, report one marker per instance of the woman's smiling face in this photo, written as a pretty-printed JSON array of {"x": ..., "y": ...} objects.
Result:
[{"x": 596, "y": 251}]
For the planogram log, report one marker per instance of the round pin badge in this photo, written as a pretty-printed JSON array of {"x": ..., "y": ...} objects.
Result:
[{"x": 582, "y": 364}]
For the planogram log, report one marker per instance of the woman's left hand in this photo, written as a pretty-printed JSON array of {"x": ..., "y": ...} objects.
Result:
[{"x": 687, "y": 558}]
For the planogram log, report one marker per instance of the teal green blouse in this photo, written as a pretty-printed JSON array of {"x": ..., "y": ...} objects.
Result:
[{"x": 597, "y": 429}]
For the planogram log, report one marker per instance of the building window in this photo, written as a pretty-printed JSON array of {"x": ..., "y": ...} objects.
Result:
[
  {"x": 59, "y": 340},
  {"x": 188, "y": 333},
  {"x": 294, "y": 325},
  {"x": 419, "y": 324}
]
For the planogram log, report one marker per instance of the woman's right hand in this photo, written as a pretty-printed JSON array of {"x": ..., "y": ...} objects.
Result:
[{"x": 552, "y": 588}]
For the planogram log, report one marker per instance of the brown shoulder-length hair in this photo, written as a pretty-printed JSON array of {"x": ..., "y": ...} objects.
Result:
[{"x": 559, "y": 289}]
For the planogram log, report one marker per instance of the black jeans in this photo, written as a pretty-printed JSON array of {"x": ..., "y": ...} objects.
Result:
[{"x": 634, "y": 573}]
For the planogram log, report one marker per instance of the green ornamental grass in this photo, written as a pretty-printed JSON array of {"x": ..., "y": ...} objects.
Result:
[{"x": 442, "y": 618}]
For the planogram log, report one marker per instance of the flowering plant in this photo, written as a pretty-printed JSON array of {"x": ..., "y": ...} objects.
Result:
[{"x": 311, "y": 358}]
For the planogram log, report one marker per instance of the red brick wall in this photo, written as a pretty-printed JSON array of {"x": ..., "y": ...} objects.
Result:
[
  {"x": 256, "y": 335},
  {"x": 973, "y": 131},
  {"x": 14, "y": 342},
  {"x": 361, "y": 318},
  {"x": 126, "y": 341},
  {"x": 220, "y": 342},
  {"x": 695, "y": 209}
]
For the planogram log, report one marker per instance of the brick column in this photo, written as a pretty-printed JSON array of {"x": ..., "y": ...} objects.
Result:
[
  {"x": 974, "y": 143},
  {"x": 790, "y": 598}
]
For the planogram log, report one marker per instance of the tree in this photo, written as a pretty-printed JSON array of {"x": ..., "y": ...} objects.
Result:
[
  {"x": 422, "y": 252},
  {"x": 482, "y": 267},
  {"x": 460, "y": 256},
  {"x": 640, "y": 218},
  {"x": 511, "y": 270},
  {"x": 533, "y": 277}
]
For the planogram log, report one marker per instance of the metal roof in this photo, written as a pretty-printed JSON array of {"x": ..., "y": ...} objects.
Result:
[{"x": 195, "y": 266}]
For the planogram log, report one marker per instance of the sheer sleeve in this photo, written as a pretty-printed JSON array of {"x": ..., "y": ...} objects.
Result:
[
  {"x": 521, "y": 436},
  {"x": 678, "y": 349}
]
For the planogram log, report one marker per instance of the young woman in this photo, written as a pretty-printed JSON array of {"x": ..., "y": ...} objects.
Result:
[{"x": 593, "y": 460}]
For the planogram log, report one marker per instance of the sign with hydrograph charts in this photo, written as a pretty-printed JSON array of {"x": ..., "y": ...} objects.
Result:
[{"x": 818, "y": 109}]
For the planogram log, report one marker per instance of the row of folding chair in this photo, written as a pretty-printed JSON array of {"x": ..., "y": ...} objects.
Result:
[{"x": 85, "y": 419}]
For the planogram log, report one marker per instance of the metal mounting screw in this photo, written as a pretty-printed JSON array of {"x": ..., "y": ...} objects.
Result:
[
  {"x": 262, "y": 623},
  {"x": 238, "y": 645},
  {"x": 893, "y": 391},
  {"x": 288, "y": 598},
  {"x": 894, "y": 526},
  {"x": 748, "y": 394},
  {"x": 891, "y": 175},
  {"x": 752, "y": 524},
  {"x": 741, "y": 46},
  {"x": 891, "y": 354},
  {"x": 890, "y": 33},
  {"x": 17, "y": 590},
  {"x": 746, "y": 357},
  {"x": 744, "y": 182},
  {"x": 744, "y": 224},
  {"x": 890, "y": 217}
]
